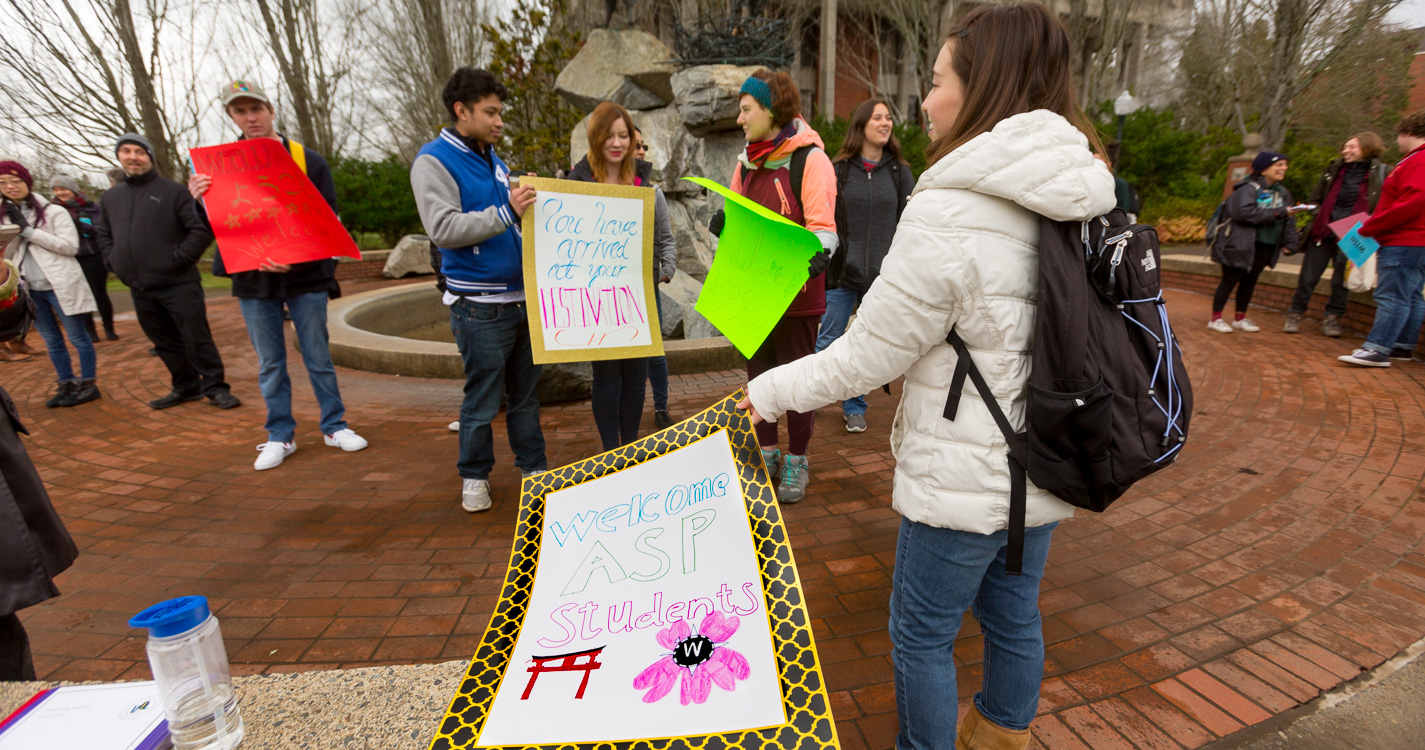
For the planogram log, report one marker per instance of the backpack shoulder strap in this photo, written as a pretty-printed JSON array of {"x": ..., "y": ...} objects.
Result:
[
  {"x": 299, "y": 155},
  {"x": 797, "y": 167},
  {"x": 1018, "y": 482}
]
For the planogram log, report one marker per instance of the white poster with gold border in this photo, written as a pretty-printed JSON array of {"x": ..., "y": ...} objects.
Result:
[{"x": 588, "y": 271}]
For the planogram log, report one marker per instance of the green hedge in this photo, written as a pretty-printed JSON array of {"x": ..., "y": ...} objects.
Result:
[{"x": 375, "y": 198}]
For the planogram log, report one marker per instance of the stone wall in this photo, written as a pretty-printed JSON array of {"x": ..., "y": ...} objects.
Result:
[{"x": 688, "y": 118}]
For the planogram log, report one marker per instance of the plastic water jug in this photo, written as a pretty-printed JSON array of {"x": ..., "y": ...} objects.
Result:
[{"x": 190, "y": 665}]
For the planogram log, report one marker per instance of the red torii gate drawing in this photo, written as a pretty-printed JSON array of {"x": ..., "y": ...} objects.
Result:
[{"x": 585, "y": 661}]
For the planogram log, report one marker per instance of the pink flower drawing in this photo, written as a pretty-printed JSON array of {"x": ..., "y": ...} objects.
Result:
[{"x": 702, "y": 660}]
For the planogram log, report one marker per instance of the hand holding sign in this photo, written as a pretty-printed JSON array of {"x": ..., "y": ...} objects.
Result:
[
  {"x": 762, "y": 262},
  {"x": 264, "y": 211},
  {"x": 1355, "y": 245}
]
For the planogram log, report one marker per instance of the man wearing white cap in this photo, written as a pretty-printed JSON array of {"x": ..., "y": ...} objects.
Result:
[{"x": 302, "y": 288}]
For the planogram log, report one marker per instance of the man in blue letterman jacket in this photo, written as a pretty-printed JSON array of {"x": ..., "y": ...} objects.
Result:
[{"x": 469, "y": 211}]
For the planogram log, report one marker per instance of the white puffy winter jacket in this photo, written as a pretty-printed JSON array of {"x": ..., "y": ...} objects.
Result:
[{"x": 965, "y": 255}]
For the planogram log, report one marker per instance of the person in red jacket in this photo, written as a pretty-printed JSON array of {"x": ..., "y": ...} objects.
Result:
[{"x": 1398, "y": 224}]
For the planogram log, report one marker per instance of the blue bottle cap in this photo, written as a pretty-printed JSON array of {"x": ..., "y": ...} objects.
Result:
[{"x": 172, "y": 617}]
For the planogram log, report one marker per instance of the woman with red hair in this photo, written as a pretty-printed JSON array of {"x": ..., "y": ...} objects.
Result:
[{"x": 619, "y": 384}]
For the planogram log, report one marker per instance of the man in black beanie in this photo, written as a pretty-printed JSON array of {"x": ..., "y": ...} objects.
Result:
[{"x": 152, "y": 238}]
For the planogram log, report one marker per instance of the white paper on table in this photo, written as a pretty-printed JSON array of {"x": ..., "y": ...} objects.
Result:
[{"x": 119, "y": 716}]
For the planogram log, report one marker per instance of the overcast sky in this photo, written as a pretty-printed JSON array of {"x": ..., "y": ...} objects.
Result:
[{"x": 1411, "y": 13}]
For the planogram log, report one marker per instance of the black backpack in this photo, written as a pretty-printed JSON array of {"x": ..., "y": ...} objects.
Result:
[{"x": 1109, "y": 398}]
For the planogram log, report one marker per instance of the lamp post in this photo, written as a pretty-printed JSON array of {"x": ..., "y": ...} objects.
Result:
[{"x": 1124, "y": 106}]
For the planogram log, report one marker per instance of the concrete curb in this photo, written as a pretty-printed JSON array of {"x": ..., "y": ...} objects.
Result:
[{"x": 364, "y": 332}]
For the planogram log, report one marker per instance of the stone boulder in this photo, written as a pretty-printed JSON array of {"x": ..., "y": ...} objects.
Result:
[
  {"x": 688, "y": 215},
  {"x": 411, "y": 256},
  {"x": 565, "y": 381},
  {"x": 627, "y": 66},
  {"x": 683, "y": 292},
  {"x": 708, "y": 96},
  {"x": 712, "y": 156},
  {"x": 671, "y": 322}
]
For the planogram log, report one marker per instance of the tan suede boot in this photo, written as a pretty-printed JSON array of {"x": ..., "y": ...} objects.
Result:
[{"x": 979, "y": 733}]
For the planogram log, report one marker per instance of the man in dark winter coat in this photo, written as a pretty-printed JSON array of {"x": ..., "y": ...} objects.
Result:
[
  {"x": 1350, "y": 185},
  {"x": 152, "y": 238},
  {"x": 34, "y": 545}
]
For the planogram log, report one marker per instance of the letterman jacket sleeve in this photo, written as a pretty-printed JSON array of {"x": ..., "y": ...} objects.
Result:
[{"x": 438, "y": 201}]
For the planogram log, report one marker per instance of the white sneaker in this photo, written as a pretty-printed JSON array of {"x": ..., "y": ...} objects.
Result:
[
  {"x": 454, "y": 426},
  {"x": 271, "y": 455},
  {"x": 1247, "y": 325},
  {"x": 526, "y": 474},
  {"x": 475, "y": 495},
  {"x": 346, "y": 440},
  {"x": 1220, "y": 325}
]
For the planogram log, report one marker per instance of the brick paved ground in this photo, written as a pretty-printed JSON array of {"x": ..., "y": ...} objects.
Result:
[{"x": 1276, "y": 560}]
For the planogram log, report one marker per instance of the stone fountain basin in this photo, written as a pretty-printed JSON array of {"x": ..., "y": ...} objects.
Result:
[{"x": 405, "y": 330}]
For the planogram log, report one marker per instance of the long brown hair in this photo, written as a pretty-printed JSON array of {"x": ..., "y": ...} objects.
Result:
[
  {"x": 856, "y": 136},
  {"x": 1011, "y": 59},
  {"x": 1372, "y": 147},
  {"x": 601, "y": 126}
]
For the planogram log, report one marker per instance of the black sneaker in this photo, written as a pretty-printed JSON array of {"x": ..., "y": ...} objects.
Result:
[
  {"x": 662, "y": 419},
  {"x": 1402, "y": 355},
  {"x": 224, "y": 400},
  {"x": 83, "y": 392},
  {"x": 63, "y": 394},
  {"x": 173, "y": 399},
  {"x": 110, "y": 334}
]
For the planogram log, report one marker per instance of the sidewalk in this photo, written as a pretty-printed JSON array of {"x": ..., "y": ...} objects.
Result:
[{"x": 1276, "y": 560}]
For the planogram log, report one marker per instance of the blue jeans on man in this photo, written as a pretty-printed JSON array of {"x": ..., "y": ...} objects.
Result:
[
  {"x": 939, "y": 573},
  {"x": 50, "y": 318},
  {"x": 1400, "y": 306},
  {"x": 495, "y": 348},
  {"x": 840, "y": 303},
  {"x": 264, "y": 327}
]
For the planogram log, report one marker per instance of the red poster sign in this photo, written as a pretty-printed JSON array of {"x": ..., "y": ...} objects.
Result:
[{"x": 262, "y": 207}]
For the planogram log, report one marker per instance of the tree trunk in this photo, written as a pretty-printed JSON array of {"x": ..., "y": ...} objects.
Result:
[
  {"x": 1289, "y": 34},
  {"x": 165, "y": 157},
  {"x": 289, "y": 54}
]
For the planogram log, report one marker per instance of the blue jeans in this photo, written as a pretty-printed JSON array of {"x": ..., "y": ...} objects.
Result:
[
  {"x": 495, "y": 349},
  {"x": 264, "y": 327},
  {"x": 939, "y": 574},
  {"x": 1400, "y": 308},
  {"x": 49, "y": 318},
  {"x": 840, "y": 303},
  {"x": 658, "y": 369}
]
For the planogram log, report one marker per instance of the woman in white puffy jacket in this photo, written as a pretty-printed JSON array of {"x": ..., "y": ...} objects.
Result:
[
  {"x": 1010, "y": 145},
  {"x": 46, "y": 251}
]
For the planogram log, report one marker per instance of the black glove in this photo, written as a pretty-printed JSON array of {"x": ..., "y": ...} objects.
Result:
[
  {"x": 716, "y": 223},
  {"x": 819, "y": 263},
  {"x": 16, "y": 216}
]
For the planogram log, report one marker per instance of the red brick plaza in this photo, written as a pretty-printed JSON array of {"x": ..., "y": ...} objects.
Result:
[{"x": 1277, "y": 559}]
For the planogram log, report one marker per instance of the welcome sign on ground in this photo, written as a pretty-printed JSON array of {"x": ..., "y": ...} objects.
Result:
[
  {"x": 588, "y": 269},
  {"x": 651, "y": 595}
]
